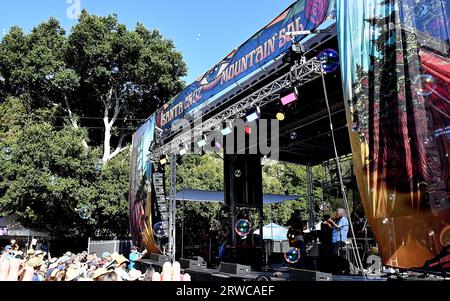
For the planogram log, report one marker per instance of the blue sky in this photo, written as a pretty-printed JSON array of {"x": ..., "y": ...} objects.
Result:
[{"x": 205, "y": 31}]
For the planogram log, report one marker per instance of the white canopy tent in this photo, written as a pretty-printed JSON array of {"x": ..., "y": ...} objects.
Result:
[{"x": 11, "y": 227}]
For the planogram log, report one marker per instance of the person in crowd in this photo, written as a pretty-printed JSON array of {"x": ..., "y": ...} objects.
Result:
[
  {"x": 38, "y": 266},
  {"x": 134, "y": 255},
  {"x": 120, "y": 270},
  {"x": 8, "y": 253},
  {"x": 36, "y": 263}
]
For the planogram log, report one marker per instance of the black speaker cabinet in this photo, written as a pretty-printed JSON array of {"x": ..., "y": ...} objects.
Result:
[
  {"x": 192, "y": 264},
  {"x": 304, "y": 275},
  {"x": 234, "y": 269},
  {"x": 243, "y": 180},
  {"x": 159, "y": 258}
]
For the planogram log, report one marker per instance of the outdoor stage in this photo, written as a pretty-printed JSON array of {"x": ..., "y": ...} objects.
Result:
[{"x": 378, "y": 106}]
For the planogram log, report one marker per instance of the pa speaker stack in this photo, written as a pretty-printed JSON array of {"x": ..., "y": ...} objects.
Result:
[
  {"x": 305, "y": 275},
  {"x": 234, "y": 269},
  {"x": 243, "y": 180},
  {"x": 199, "y": 263}
]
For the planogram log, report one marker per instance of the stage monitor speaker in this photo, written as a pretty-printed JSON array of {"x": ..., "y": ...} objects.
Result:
[
  {"x": 192, "y": 264},
  {"x": 234, "y": 269},
  {"x": 243, "y": 180},
  {"x": 159, "y": 258},
  {"x": 304, "y": 275}
]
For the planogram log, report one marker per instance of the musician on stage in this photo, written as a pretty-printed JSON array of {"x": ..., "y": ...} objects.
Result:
[
  {"x": 295, "y": 234},
  {"x": 325, "y": 237},
  {"x": 340, "y": 226}
]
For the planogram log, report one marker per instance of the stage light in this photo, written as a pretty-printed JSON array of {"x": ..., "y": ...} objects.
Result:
[
  {"x": 218, "y": 145},
  {"x": 248, "y": 130},
  {"x": 164, "y": 160},
  {"x": 228, "y": 129},
  {"x": 202, "y": 142},
  {"x": 288, "y": 99},
  {"x": 253, "y": 115},
  {"x": 280, "y": 116},
  {"x": 183, "y": 149}
]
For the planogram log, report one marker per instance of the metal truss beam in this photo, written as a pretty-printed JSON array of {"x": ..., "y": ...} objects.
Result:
[
  {"x": 299, "y": 75},
  {"x": 172, "y": 206}
]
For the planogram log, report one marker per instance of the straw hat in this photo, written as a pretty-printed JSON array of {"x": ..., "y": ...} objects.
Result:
[
  {"x": 121, "y": 259},
  {"x": 115, "y": 255},
  {"x": 99, "y": 272},
  {"x": 35, "y": 262},
  {"x": 54, "y": 273},
  {"x": 71, "y": 275},
  {"x": 135, "y": 275}
]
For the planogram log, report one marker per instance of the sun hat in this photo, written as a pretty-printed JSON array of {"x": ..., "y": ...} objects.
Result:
[
  {"x": 115, "y": 255},
  {"x": 99, "y": 272},
  {"x": 63, "y": 259},
  {"x": 53, "y": 266},
  {"x": 135, "y": 275},
  {"x": 71, "y": 275},
  {"x": 35, "y": 262},
  {"x": 121, "y": 259},
  {"x": 55, "y": 273}
]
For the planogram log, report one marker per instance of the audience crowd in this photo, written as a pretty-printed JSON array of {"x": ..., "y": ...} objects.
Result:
[{"x": 36, "y": 265}]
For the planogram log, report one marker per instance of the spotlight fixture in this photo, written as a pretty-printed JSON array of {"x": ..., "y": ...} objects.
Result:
[
  {"x": 293, "y": 135},
  {"x": 253, "y": 114},
  {"x": 183, "y": 149},
  {"x": 164, "y": 160},
  {"x": 202, "y": 142},
  {"x": 218, "y": 145},
  {"x": 281, "y": 116},
  {"x": 228, "y": 129},
  {"x": 248, "y": 130},
  {"x": 289, "y": 98}
]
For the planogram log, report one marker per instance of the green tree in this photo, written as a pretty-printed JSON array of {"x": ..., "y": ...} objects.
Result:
[
  {"x": 54, "y": 183},
  {"x": 68, "y": 104},
  {"x": 101, "y": 75}
]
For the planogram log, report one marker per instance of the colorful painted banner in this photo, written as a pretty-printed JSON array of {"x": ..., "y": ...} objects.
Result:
[
  {"x": 266, "y": 45},
  {"x": 395, "y": 67},
  {"x": 140, "y": 196}
]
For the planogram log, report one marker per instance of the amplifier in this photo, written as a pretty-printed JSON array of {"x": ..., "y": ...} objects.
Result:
[
  {"x": 159, "y": 258},
  {"x": 304, "y": 275},
  {"x": 192, "y": 264},
  {"x": 234, "y": 269}
]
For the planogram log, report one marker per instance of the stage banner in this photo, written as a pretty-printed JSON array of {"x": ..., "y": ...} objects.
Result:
[
  {"x": 140, "y": 196},
  {"x": 265, "y": 46},
  {"x": 396, "y": 78}
]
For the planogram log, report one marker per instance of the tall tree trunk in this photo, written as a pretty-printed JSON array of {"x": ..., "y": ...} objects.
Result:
[
  {"x": 73, "y": 120},
  {"x": 107, "y": 155}
]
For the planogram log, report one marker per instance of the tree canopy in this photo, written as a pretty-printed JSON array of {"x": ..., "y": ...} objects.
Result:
[{"x": 69, "y": 102}]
